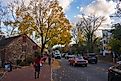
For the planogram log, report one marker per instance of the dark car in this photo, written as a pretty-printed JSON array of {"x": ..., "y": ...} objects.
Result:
[
  {"x": 114, "y": 73},
  {"x": 78, "y": 61},
  {"x": 92, "y": 58}
]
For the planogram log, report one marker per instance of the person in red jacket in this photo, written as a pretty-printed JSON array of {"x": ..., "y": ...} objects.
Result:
[{"x": 37, "y": 62}]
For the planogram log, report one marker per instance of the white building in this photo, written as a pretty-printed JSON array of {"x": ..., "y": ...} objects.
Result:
[{"x": 106, "y": 34}]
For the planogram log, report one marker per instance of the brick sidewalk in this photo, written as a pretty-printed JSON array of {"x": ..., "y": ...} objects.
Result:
[{"x": 27, "y": 74}]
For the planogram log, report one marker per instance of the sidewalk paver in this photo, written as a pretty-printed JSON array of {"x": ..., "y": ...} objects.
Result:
[{"x": 27, "y": 74}]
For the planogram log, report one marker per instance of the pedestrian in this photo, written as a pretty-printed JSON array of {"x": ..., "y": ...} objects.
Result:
[
  {"x": 49, "y": 59},
  {"x": 37, "y": 62}
]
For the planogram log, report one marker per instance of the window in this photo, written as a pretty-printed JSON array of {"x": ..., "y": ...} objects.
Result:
[
  {"x": 24, "y": 38},
  {"x": 23, "y": 48},
  {"x": 35, "y": 47}
]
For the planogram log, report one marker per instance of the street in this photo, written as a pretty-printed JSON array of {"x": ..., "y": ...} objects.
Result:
[{"x": 93, "y": 72}]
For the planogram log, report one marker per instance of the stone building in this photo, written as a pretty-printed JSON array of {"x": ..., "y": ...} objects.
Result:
[{"x": 17, "y": 48}]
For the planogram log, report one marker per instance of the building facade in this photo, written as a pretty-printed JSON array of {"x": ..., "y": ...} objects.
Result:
[
  {"x": 106, "y": 35},
  {"x": 17, "y": 48}
]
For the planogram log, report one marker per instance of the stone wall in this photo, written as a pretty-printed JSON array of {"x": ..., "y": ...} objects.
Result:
[{"x": 19, "y": 49}]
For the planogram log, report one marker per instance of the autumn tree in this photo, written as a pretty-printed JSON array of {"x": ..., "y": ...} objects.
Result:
[
  {"x": 88, "y": 25},
  {"x": 46, "y": 18}
]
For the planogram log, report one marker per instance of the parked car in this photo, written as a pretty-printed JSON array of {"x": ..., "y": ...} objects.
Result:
[
  {"x": 67, "y": 56},
  {"x": 114, "y": 73},
  {"x": 92, "y": 58},
  {"x": 57, "y": 56},
  {"x": 78, "y": 61},
  {"x": 63, "y": 55}
]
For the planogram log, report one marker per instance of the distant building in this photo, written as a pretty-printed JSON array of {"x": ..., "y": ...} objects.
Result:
[
  {"x": 17, "y": 48},
  {"x": 106, "y": 34}
]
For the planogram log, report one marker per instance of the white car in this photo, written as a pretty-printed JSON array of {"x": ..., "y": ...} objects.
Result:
[
  {"x": 67, "y": 56},
  {"x": 57, "y": 56},
  {"x": 119, "y": 62}
]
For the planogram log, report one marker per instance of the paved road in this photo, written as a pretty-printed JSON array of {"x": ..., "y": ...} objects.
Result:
[{"x": 93, "y": 72}]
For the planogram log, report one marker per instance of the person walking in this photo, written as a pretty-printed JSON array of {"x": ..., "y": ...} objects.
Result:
[{"x": 37, "y": 62}]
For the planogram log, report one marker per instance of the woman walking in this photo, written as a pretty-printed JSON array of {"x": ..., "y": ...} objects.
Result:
[{"x": 37, "y": 62}]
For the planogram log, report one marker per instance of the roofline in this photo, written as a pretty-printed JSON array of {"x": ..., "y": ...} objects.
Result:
[{"x": 18, "y": 37}]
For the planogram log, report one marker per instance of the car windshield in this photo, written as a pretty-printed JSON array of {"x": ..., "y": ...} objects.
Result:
[
  {"x": 57, "y": 54},
  {"x": 80, "y": 57},
  {"x": 92, "y": 55}
]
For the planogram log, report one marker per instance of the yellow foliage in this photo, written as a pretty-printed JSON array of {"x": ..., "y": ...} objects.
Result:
[{"x": 48, "y": 21}]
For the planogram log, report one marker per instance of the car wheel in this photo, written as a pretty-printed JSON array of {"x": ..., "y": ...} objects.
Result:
[
  {"x": 110, "y": 78},
  {"x": 85, "y": 65}
]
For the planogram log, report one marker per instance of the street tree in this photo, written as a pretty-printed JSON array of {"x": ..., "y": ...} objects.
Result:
[
  {"x": 3, "y": 13},
  {"x": 10, "y": 20},
  {"x": 77, "y": 35},
  {"x": 78, "y": 38},
  {"x": 46, "y": 18},
  {"x": 115, "y": 40},
  {"x": 89, "y": 25}
]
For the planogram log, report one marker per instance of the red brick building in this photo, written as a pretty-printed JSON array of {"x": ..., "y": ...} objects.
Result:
[{"x": 17, "y": 48}]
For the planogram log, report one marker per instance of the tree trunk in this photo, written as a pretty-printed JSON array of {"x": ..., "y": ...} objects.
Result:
[
  {"x": 42, "y": 49},
  {"x": 90, "y": 42}
]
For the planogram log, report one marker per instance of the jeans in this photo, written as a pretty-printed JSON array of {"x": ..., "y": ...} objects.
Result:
[{"x": 37, "y": 71}]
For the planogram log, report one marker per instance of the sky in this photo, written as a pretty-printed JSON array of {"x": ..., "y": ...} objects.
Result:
[
  {"x": 98, "y": 7},
  {"x": 74, "y": 8}
]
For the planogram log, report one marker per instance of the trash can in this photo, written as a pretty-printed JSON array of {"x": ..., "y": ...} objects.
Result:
[{"x": 8, "y": 67}]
